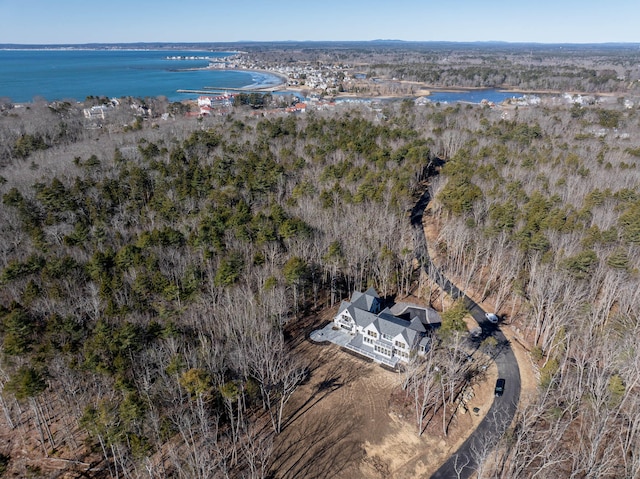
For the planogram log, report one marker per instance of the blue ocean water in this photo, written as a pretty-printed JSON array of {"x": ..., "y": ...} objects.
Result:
[{"x": 76, "y": 74}]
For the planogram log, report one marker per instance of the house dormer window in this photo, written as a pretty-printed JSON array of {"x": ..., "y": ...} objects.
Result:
[
  {"x": 400, "y": 344},
  {"x": 387, "y": 337},
  {"x": 373, "y": 334}
]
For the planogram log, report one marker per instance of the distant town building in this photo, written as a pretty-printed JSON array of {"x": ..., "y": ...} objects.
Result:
[{"x": 95, "y": 112}]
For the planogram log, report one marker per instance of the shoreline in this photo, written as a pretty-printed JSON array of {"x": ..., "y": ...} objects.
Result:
[{"x": 283, "y": 79}]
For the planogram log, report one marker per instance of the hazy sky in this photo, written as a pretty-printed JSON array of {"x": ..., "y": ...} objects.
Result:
[{"x": 113, "y": 21}]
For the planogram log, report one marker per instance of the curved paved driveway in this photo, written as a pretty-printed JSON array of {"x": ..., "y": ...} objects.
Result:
[{"x": 475, "y": 449}]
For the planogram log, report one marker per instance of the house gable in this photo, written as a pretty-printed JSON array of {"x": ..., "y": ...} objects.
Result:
[
  {"x": 400, "y": 341},
  {"x": 371, "y": 330},
  {"x": 345, "y": 318}
]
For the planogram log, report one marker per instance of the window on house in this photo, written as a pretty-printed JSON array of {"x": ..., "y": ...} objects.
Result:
[
  {"x": 373, "y": 334},
  {"x": 381, "y": 350},
  {"x": 387, "y": 337},
  {"x": 400, "y": 344}
]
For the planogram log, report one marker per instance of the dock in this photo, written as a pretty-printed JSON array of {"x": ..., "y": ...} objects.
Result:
[{"x": 210, "y": 89}]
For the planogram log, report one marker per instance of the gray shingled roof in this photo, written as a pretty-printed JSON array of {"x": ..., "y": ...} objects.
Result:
[
  {"x": 426, "y": 342},
  {"x": 389, "y": 324},
  {"x": 372, "y": 292},
  {"x": 364, "y": 300},
  {"x": 426, "y": 315},
  {"x": 410, "y": 327},
  {"x": 362, "y": 318},
  {"x": 417, "y": 325},
  {"x": 343, "y": 305}
]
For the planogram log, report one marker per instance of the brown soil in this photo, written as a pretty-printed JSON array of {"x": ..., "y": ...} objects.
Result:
[
  {"x": 346, "y": 422},
  {"x": 28, "y": 459},
  {"x": 349, "y": 420}
]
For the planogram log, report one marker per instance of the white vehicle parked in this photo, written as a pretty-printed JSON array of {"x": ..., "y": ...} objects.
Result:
[{"x": 493, "y": 318}]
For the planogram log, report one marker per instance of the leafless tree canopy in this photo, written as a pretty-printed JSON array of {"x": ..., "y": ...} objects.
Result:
[{"x": 154, "y": 272}]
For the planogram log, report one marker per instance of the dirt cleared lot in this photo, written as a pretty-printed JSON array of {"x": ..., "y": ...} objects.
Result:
[{"x": 350, "y": 421}]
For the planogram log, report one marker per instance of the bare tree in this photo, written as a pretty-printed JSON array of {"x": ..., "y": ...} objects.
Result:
[{"x": 277, "y": 372}]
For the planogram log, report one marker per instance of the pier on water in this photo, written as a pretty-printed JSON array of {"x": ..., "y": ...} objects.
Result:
[{"x": 213, "y": 90}]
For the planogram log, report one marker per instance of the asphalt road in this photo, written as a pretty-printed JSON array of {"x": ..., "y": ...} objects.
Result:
[{"x": 463, "y": 463}]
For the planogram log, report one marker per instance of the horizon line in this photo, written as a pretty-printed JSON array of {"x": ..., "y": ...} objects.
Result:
[{"x": 152, "y": 42}]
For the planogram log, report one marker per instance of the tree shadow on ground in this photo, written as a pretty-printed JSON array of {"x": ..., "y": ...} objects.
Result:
[
  {"x": 336, "y": 376},
  {"x": 319, "y": 450}
]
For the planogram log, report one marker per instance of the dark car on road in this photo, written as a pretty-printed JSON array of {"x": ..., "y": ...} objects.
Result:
[{"x": 499, "y": 387}]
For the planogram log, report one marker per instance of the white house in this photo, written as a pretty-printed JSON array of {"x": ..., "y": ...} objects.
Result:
[
  {"x": 204, "y": 101},
  {"x": 94, "y": 112},
  {"x": 218, "y": 100},
  {"x": 387, "y": 335}
]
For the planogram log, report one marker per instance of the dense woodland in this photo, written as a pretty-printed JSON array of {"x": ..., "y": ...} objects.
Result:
[
  {"x": 152, "y": 275},
  {"x": 148, "y": 275},
  {"x": 542, "y": 216}
]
